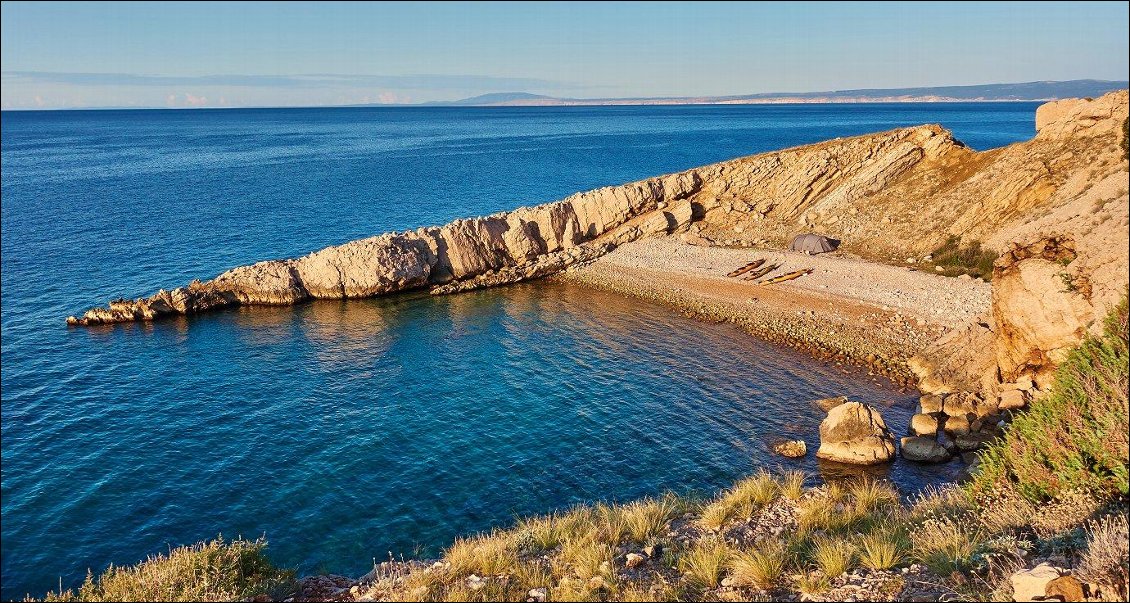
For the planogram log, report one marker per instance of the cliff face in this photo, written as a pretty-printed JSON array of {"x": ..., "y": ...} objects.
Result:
[
  {"x": 885, "y": 195},
  {"x": 1066, "y": 261}
]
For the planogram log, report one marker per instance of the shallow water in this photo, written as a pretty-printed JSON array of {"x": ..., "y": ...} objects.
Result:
[{"x": 346, "y": 430}]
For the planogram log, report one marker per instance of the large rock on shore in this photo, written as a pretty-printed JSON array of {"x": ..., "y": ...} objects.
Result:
[
  {"x": 923, "y": 450},
  {"x": 1040, "y": 308},
  {"x": 855, "y": 433}
]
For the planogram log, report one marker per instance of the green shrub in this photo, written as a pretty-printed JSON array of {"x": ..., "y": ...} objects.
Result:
[
  {"x": 956, "y": 260},
  {"x": 208, "y": 571},
  {"x": 1076, "y": 437}
]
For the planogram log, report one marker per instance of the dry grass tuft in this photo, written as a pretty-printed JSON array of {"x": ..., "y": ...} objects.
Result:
[
  {"x": 488, "y": 555},
  {"x": 833, "y": 556},
  {"x": 702, "y": 565},
  {"x": 208, "y": 571},
  {"x": 1107, "y": 560},
  {"x": 792, "y": 485},
  {"x": 647, "y": 518},
  {"x": 882, "y": 549},
  {"x": 741, "y": 501},
  {"x": 761, "y": 567}
]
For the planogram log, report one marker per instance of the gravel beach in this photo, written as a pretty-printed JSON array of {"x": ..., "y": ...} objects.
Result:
[{"x": 848, "y": 309}]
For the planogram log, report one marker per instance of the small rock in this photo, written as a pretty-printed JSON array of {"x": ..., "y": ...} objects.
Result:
[
  {"x": 1066, "y": 588},
  {"x": 1025, "y": 383},
  {"x": 923, "y": 425},
  {"x": 911, "y": 261},
  {"x": 939, "y": 269},
  {"x": 792, "y": 449},
  {"x": 957, "y": 425},
  {"x": 728, "y": 581},
  {"x": 634, "y": 559},
  {"x": 1031, "y": 584},
  {"x": 855, "y": 433},
  {"x": 1012, "y": 399},
  {"x": 971, "y": 441},
  {"x": 923, "y": 450},
  {"x": 930, "y": 404},
  {"x": 538, "y": 594},
  {"x": 596, "y": 583},
  {"x": 827, "y": 404},
  {"x": 652, "y": 550}
]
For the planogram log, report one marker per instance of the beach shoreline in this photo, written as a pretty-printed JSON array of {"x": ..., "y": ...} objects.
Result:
[{"x": 849, "y": 310}]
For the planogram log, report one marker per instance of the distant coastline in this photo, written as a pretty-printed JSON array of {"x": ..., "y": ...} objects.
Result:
[{"x": 985, "y": 93}]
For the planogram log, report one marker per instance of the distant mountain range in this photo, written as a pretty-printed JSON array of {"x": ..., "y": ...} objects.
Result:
[{"x": 1029, "y": 91}]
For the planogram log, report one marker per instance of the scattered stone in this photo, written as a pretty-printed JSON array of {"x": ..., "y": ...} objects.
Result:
[
  {"x": 596, "y": 583},
  {"x": 923, "y": 450},
  {"x": 1011, "y": 399},
  {"x": 634, "y": 559},
  {"x": 930, "y": 404},
  {"x": 652, "y": 550},
  {"x": 923, "y": 425},
  {"x": 966, "y": 403},
  {"x": 957, "y": 425},
  {"x": 1031, "y": 584},
  {"x": 538, "y": 594},
  {"x": 1065, "y": 588},
  {"x": 792, "y": 449},
  {"x": 855, "y": 433},
  {"x": 827, "y": 404},
  {"x": 971, "y": 441}
]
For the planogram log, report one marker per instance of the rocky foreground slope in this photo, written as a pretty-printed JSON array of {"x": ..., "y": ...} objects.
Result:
[{"x": 1055, "y": 206}]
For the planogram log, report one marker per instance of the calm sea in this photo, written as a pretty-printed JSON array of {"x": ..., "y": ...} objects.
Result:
[{"x": 344, "y": 431}]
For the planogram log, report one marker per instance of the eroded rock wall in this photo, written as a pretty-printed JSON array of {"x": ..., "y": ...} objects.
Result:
[{"x": 1065, "y": 262}]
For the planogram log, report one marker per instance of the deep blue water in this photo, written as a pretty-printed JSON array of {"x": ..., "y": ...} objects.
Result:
[{"x": 343, "y": 431}]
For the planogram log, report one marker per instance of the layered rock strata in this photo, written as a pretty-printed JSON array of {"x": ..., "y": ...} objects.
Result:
[
  {"x": 465, "y": 254},
  {"x": 885, "y": 195},
  {"x": 1064, "y": 265}
]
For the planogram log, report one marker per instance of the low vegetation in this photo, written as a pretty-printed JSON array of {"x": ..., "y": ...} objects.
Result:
[
  {"x": 956, "y": 259},
  {"x": 1055, "y": 486},
  {"x": 1076, "y": 438},
  {"x": 211, "y": 571}
]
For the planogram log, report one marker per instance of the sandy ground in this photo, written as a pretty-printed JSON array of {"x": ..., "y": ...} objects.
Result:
[{"x": 863, "y": 312}]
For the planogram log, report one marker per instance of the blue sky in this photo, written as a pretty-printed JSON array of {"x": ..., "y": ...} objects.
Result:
[{"x": 283, "y": 54}]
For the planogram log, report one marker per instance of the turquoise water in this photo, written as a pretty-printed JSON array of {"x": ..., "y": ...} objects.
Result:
[{"x": 344, "y": 431}]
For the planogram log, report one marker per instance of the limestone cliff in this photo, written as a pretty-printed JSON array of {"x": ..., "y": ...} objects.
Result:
[
  {"x": 1065, "y": 261},
  {"x": 476, "y": 252},
  {"x": 886, "y": 195}
]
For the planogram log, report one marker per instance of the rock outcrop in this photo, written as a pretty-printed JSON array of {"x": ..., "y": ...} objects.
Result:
[
  {"x": 855, "y": 433},
  {"x": 1062, "y": 268},
  {"x": 887, "y": 195},
  {"x": 465, "y": 254}
]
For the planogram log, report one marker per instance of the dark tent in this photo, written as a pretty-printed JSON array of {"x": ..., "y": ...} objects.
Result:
[{"x": 813, "y": 243}]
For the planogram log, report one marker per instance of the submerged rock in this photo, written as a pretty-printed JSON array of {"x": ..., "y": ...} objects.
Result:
[
  {"x": 827, "y": 404},
  {"x": 855, "y": 433},
  {"x": 792, "y": 449}
]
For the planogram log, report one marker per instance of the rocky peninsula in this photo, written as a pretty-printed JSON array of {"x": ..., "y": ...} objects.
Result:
[{"x": 1054, "y": 206}]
